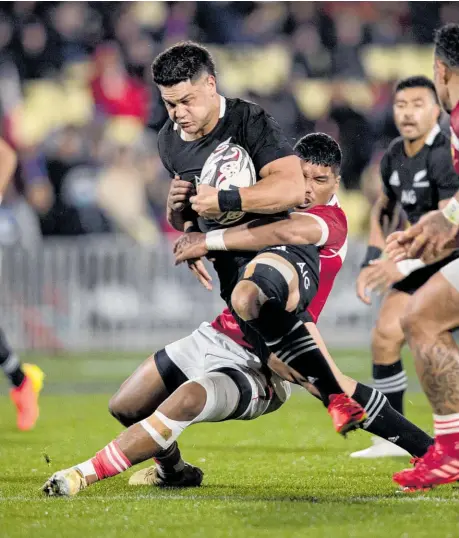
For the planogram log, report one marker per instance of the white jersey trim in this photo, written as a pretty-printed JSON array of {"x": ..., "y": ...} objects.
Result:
[
  {"x": 323, "y": 226},
  {"x": 432, "y": 135}
]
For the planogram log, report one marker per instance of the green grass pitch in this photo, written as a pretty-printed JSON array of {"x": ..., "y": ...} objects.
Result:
[{"x": 284, "y": 475}]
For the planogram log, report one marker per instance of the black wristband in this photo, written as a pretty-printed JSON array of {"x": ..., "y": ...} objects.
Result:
[
  {"x": 229, "y": 200},
  {"x": 373, "y": 253}
]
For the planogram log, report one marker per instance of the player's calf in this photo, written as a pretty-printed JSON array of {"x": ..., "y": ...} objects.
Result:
[{"x": 210, "y": 398}]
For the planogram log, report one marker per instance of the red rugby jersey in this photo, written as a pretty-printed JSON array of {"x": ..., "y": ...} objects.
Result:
[
  {"x": 333, "y": 248},
  {"x": 454, "y": 119}
]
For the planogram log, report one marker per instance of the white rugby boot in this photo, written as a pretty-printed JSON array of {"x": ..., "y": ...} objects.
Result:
[
  {"x": 65, "y": 483},
  {"x": 380, "y": 449}
]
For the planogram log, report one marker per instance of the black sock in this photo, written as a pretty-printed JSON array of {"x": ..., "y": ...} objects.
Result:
[
  {"x": 386, "y": 422},
  {"x": 9, "y": 363},
  {"x": 286, "y": 336},
  {"x": 169, "y": 461},
  {"x": 391, "y": 380}
]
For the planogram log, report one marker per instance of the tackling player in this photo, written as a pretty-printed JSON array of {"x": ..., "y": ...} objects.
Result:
[
  {"x": 418, "y": 176},
  {"x": 26, "y": 379},
  {"x": 212, "y": 375},
  {"x": 200, "y": 120},
  {"x": 432, "y": 314}
]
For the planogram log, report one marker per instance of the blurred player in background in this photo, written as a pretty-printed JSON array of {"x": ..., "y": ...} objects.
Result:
[
  {"x": 431, "y": 315},
  {"x": 26, "y": 379},
  {"x": 213, "y": 374},
  {"x": 418, "y": 176},
  {"x": 199, "y": 121}
]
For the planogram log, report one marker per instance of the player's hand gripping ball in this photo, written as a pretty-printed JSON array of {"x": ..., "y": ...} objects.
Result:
[{"x": 228, "y": 167}]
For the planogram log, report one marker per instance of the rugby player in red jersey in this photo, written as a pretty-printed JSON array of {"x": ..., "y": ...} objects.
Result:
[{"x": 215, "y": 375}]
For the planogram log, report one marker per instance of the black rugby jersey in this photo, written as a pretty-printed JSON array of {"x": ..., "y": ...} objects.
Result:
[
  {"x": 421, "y": 181},
  {"x": 247, "y": 125}
]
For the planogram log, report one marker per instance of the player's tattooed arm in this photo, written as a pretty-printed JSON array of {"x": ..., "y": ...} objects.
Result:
[
  {"x": 189, "y": 246},
  {"x": 297, "y": 229},
  {"x": 281, "y": 187}
]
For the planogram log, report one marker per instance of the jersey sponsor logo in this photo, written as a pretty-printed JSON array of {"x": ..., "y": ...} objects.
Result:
[
  {"x": 304, "y": 274},
  {"x": 409, "y": 197},
  {"x": 394, "y": 179},
  {"x": 417, "y": 179}
]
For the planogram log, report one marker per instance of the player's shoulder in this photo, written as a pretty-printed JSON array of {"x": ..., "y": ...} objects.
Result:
[
  {"x": 439, "y": 139},
  {"x": 166, "y": 130},
  {"x": 331, "y": 212},
  {"x": 244, "y": 108}
]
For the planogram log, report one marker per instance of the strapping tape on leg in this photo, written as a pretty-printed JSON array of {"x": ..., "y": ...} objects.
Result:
[
  {"x": 222, "y": 397},
  {"x": 272, "y": 278}
]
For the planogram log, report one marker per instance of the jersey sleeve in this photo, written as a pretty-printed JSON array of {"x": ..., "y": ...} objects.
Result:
[
  {"x": 442, "y": 173},
  {"x": 333, "y": 223},
  {"x": 385, "y": 177},
  {"x": 163, "y": 154},
  {"x": 265, "y": 141}
]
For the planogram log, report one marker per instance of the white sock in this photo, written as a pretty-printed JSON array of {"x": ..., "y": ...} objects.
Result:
[{"x": 86, "y": 468}]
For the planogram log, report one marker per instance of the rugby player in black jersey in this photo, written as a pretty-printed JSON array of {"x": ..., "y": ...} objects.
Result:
[
  {"x": 418, "y": 176},
  {"x": 199, "y": 120}
]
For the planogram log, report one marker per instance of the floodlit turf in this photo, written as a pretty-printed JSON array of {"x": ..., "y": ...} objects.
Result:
[{"x": 284, "y": 475}]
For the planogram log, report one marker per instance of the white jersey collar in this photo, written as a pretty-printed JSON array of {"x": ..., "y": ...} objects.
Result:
[{"x": 432, "y": 135}]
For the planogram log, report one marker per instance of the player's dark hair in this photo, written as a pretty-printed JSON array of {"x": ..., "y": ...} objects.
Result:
[
  {"x": 321, "y": 149},
  {"x": 418, "y": 81},
  {"x": 181, "y": 62},
  {"x": 446, "y": 40}
]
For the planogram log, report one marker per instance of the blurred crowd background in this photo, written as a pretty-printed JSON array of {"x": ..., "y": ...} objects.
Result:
[{"x": 78, "y": 104}]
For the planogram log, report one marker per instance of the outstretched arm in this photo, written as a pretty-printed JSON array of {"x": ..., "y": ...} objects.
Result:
[{"x": 297, "y": 229}]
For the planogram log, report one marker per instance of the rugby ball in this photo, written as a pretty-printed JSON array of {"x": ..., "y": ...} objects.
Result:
[{"x": 228, "y": 167}]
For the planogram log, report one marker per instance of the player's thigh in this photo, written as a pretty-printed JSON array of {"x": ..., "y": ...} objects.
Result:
[
  {"x": 159, "y": 376},
  {"x": 434, "y": 308}
]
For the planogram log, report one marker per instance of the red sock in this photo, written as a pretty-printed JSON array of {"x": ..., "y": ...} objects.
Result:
[{"x": 110, "y": 461}]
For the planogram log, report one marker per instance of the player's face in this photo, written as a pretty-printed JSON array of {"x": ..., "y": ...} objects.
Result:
[
  {"x": 191, "y": 104},
  {"x": 415, "y": 112},
  {"x": 441, "y": 85},
  {"x": 321, "y": 184}
]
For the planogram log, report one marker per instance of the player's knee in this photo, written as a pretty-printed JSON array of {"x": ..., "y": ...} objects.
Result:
[
  {"x": 413, "y": 322},
  {"x": 385, "y": 341},
  {"x": 119, "y": 410},
  {"x": 193, "y": 398},
  {"x": 245, "y": 300}
]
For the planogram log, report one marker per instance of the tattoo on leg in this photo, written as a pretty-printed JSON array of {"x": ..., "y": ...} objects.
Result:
[{"x": 437, "y": 364}]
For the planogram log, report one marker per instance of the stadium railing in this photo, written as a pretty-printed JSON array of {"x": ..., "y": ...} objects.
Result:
[{"x": 107, "y": 292}]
